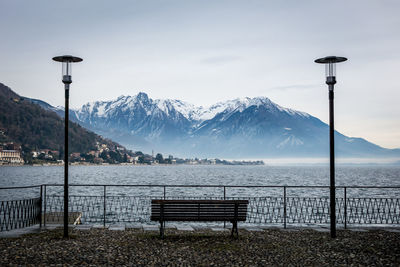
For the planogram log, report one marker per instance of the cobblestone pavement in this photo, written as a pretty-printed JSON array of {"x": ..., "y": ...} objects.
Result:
[{"x": 140, "y": 245}]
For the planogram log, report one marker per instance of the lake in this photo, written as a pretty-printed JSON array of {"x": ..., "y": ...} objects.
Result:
[{"x": 202, "y": 175}]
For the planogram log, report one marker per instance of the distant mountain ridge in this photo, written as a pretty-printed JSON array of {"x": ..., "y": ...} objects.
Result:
[
  {"x": 34, "y": 125},
  {"x": 239, "y": 128}
]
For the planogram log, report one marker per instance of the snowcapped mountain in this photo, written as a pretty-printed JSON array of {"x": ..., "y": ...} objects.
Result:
[{"x": 246, "y": 127}]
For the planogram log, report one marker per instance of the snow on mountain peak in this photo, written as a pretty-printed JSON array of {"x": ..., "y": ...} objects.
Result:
[{"x": 172, "y": 106}]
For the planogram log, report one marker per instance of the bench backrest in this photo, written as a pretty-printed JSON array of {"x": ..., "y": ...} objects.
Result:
[{"x": 198, "y": 210}]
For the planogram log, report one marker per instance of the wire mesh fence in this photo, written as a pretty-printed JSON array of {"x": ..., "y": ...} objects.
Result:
[{"x": 272, "y": 204}]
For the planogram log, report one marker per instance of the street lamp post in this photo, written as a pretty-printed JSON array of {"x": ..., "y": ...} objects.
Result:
[
  {"x": 67, "y": 80},
  {"x": 330, "y": 71}
]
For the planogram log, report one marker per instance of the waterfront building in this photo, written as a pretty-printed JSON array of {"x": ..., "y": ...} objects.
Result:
[{"x": 10, "y": 156}]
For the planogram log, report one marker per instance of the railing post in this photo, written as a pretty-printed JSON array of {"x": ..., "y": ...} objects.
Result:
[
  {"x": 224, "y": 192},
  {"x": 345, "y": 208},
  {"x": 104, "y": 207},
  {"x": 284, "y": 207},
  {"x": 41, "y": 206},
  {"x": 224, "y": 199},
  {"x": 45, "y": 204},
  {"x": 164, "y": 192}
]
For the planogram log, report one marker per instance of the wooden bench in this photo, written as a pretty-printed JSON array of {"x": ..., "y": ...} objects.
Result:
[{"x": 233, "y": 211}]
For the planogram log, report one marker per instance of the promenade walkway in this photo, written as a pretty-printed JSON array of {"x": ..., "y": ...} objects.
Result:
[{"x": 183, "y": 227}]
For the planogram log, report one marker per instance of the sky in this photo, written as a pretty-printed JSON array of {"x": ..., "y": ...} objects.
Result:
[{"x": 208, "y": 51}]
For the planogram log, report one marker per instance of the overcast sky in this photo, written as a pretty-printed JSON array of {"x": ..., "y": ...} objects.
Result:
[{"x": 209, "y": 51}]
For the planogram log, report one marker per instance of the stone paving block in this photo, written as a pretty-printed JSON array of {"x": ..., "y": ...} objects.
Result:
[
  {"x": 392, "y": 230},
  {"x": 198, "y": 227},
  {"x": 150, "y": 228},
  {"x": 289, "y": 230},
  {"x": 321, "y": 230},
  {"x": 184, "y": 228},
  {"x": 83, "y": 227},
  {"x": 170, "y": 226},
  {"x": 358, "y": 230},
  {"x": 30, "y": 229},
  {"x": 20, "y": 231},
  {"x": 49, "y": 227},
  {"x": 270, "y": 227},
  {"x": 133, "y": 226},
  {"x": 10, "y": 234},
  {"x": 219, "y": 229},
  {"x": 253, "y": 229},
  {"x": 100, "y": 226},
  {"x": 116, "y": 228}
]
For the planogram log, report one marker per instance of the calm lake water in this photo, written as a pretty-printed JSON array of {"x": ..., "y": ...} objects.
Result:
[{"x": 201, "y": 175}]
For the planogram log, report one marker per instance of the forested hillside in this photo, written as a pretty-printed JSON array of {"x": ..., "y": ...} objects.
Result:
[{"x": 33, "y": 127}]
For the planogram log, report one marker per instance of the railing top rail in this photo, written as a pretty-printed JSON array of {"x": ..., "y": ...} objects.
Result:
[
  {"x": 20, "y": 187},
  {"x": 208, "y": 186},
  {"x": 369, "y": 186},
  {"x": 231, "y": 186}
]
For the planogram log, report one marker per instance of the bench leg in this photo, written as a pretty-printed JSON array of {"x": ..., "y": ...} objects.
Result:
[
  {"x": 162, "y": 229},
  {"x": 234, "y": 229},
  {"x": 237, "y": 231}
]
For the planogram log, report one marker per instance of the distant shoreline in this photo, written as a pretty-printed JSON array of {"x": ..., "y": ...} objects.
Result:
[
  {"x": 268, "y": 164},
  {"x": 128, "y": 164}
]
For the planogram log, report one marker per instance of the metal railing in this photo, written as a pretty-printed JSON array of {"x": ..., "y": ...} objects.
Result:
[
  {"x": 283, "y": 205},
  {"x": 20, "y": 213},
  {"x": 267, "y": 204}
]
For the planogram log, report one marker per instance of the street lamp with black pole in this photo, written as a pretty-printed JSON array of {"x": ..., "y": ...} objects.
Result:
[
  {"x": 330, "y": 70},
  {"x": 67, "y": 80}
]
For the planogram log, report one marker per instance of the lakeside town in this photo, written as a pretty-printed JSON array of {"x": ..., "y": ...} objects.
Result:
[{"x": 104, "y": 154}]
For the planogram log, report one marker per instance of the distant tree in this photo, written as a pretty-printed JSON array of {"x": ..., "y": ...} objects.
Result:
[
  {"x": 125, "y": 159},
  {"x": 115, "y": 156},
  {"x": 159, "y": 158},
  {"x": 141, "y": 159},
  {"x": 139, "y": 153},
  {"x": 88, "y": 158},
  {"x": 26, "y": 154},
  {"x": 104, "y": 155},
  {"x": 60, "y": 153}
]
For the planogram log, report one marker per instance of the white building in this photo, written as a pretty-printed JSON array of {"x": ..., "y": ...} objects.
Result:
[{"x": 11, "y": 156}]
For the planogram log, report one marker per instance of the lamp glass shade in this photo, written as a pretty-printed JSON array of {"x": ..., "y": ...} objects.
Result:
[
  {"x": 330, "y": 69},
  {"x": 66, "y": 68}
]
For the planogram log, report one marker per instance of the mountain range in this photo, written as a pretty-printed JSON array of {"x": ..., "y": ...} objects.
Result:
[{"x": 239, "y": 128}]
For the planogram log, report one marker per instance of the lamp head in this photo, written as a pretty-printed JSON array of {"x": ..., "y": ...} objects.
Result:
[
  {"x": 330, "y": 67},
  {"x": 66, "y": 61}
]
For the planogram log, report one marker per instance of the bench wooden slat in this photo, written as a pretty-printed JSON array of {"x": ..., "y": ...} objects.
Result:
[
  {"x": 203, "y": 219},
  {"x": 196, "y": 219},
  {"x": 171, "y": 215},
  {"x": 215, "y": 202},
  {"x": 199, "y": 214},
  {"x": 200, "y": 211},
  {"x": 199, "y": 207},
  {"x": 203, "y": 209},
  {"x": 210, "y": 213},
  {"x": 200, "y": 219}
]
